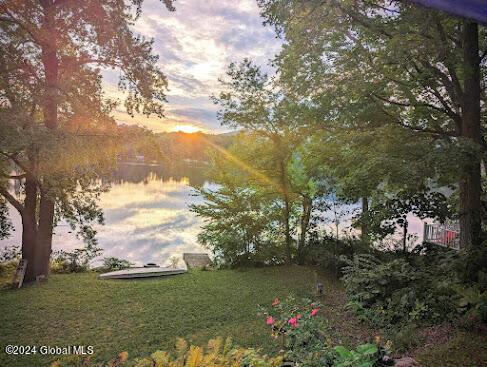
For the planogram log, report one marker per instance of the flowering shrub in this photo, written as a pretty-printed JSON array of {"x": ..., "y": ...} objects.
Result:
[
  {"x": 303, "y": 338},
  {"x": 300, "y": 332}
]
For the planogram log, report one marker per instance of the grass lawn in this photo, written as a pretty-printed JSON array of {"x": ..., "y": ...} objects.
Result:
[{"x": 141, "y": 316}]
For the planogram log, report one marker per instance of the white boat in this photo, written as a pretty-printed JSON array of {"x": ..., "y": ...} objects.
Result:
[{"x": 142, "y": 273}]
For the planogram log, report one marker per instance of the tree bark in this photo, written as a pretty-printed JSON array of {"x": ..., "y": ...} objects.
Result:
[
  {"x": 470, "y": 184},
  {"x": 44, "y": 235},
  {"x": 305, "y": 217},
  {"x": 29, "y": 229},
  {"x": 50, "y": 110},
  {"x": 364, "y": 228},
  {"x": 405, "y": 238},
  {"x": 286, "y": 212}
]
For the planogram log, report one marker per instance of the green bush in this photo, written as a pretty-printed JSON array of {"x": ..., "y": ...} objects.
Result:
[
  {"x": 114, "y": 263},
  {"x": 405, "y": 338},
  {"x": 298, "y": 330},
  {"x": 330, "y": 253},
  {"x": 417, "y": 289},
  {"x": 8, "y": 268},
  {"x": 76, "y": 261},
  {"x": 364, "y": 356},
  {"x": 302, "y": 334},
  {"x": 473, "y": 304}
]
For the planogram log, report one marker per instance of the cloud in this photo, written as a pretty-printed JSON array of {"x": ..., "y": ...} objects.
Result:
[{"x": 195, "y": 45}]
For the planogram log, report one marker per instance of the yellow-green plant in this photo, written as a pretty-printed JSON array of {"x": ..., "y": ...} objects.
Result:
[{"x": 218, "y": 353}]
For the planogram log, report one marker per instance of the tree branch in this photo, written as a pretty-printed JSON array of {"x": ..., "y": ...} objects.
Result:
[
  {"x": 12, "y": 200},
  {"x": 425, "y": 130},
  {"x": 15, "y": 177}
]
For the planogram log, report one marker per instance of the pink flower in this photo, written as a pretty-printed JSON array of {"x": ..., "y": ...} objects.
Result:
[
  {"x": 276, "y": 302},
  {"x": 269, "y": 320},
  {"x": 293, "y": 321},
  {"x": 314, "y": 311},
  {"x": 298, "y": 316}
]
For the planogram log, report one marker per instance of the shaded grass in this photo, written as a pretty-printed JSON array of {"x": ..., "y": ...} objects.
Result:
[
  {"x": 142, "y": 316},
  {"x": 462, "y": 349}
]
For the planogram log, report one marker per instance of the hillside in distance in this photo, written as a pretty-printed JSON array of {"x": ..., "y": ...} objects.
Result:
[{"x": 181, "y": 146}]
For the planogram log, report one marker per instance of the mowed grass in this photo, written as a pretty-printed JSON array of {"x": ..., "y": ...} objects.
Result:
[{"x": 141, "y": 316}]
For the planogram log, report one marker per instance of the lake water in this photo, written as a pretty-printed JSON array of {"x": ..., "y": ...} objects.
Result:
[
  {"x": 147, "y": 218},
  {"x": 146, "y": 215}
]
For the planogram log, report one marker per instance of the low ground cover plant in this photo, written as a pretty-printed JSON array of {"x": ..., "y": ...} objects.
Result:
[{"x": 218, "y": 353}]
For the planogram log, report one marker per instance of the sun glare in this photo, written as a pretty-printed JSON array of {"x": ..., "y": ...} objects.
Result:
[{"x": 186, "y": 128}]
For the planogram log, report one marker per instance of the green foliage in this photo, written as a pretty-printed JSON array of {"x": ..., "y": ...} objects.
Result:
[
  {"x": 473, "y": 303},
  {"x": 150, "y": 314},
  {"x": 57, "y": 133},
  {"x": 331, "y": 253},
  {"x": 389, "y": 211},
  {"x": 405, "y": 338},
  {"x": 9, "y": 253},
  {"x": 299, "y": 330},
  {"x": 364, "y": 355},
  {"x": 179, "y": 146},
  {"x": 76, "y": 261},
  {"x": 5, "y": 223},
  {"x": 7, "y": 268},
  {"x": 9, "y": 260},
  {"x": 114, "y": 263},
  {"x": 401, "y": 291},
  {"x": 218, "y": 353}
]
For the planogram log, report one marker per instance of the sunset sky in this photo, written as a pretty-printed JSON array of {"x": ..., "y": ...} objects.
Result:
[{"x": 195, "y": 44}]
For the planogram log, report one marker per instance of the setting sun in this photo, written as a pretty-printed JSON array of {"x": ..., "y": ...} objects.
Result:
[{"x": 186, "y": 128}]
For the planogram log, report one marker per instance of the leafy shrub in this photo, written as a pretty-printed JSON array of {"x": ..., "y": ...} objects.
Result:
[
  {"x": 330, "y": 253},
  {"x": 405, "y": 338},
  {"x": 9, "y": 259},
  {"x": 400, "y": 291},
  {"x": 364, "y": 356},
  {"x": 299, "y": 331},
  {"x": 114, "y": 263},
  {"x": 77, "y": 261},
  {"x": 8, "y": 268},
  {"x": 302, "y": 334},
  {"x": 473, "y": 303},
  {"x": 218, "y": 353},
  {"x": 9, "y": 253}
]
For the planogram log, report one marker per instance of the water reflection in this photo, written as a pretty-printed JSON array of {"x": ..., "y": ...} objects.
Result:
[
  {"x": 146, "y": 214},
  {"x": 142, "y": 173},
  {"x": 147, "y": 217}
]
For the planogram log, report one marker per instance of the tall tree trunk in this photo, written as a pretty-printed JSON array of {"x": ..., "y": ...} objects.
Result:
[
  {"x": 50, "y": 111},
  {"x": 29, "y": 229},
  {"x": 44, "y": 234},
  {"x": 364, "y": 228},
  {"x": 286, "y": 211},
  {"x": 470, "y": 184},
  {"x": 405, "y": 237},
  {"x": 305, "y": 217}
]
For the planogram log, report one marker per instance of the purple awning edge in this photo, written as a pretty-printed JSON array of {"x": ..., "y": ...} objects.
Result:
[{"x": 471, "y": 9}]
